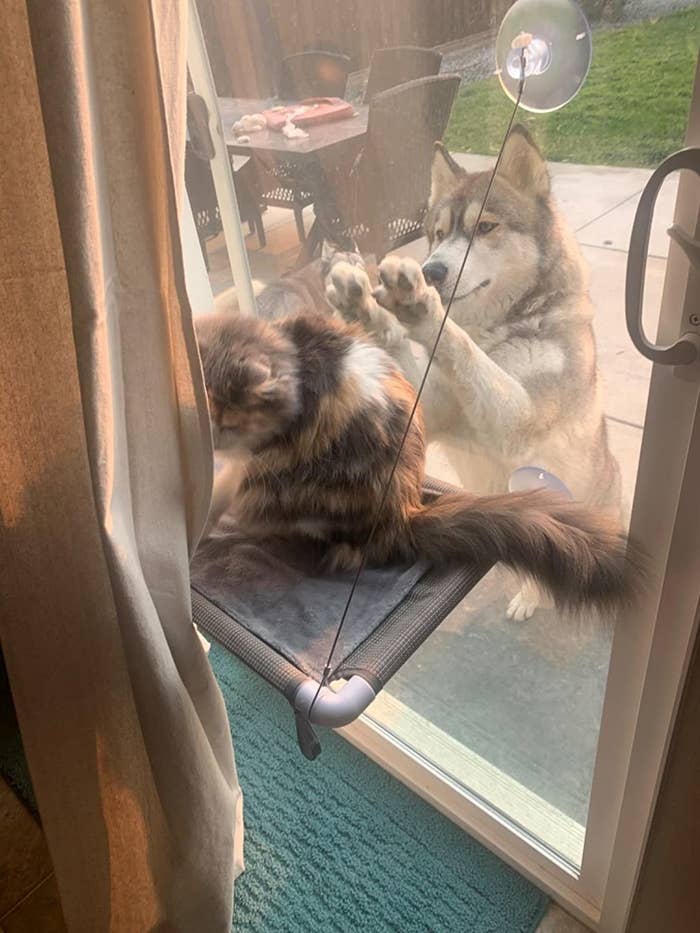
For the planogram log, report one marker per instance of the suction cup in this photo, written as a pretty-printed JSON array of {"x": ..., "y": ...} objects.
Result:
[
  {"x": 527, "y": 478},
  {"x": 549, "y": 43}
]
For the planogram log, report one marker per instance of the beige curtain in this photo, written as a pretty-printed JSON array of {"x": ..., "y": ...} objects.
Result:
[{"x": 106, "y": 470}]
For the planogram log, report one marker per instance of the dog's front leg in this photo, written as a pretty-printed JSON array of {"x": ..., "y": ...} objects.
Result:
[
  {"x": 349, "y": 290},
  {"x": 404, "y": 291},
  {"x": 528, "y": 598},
  {"x": 493, "y": 403}
]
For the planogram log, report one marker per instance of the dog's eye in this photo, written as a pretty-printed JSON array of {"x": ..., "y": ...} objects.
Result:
[
  {"x": 486, "y": 226},
  {"x": 439, "y": 235}
]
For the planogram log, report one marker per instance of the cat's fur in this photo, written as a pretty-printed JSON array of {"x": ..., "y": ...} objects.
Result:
[{"x": 309, "y": 414}]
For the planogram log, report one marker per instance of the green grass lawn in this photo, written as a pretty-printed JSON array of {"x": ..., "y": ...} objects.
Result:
[{"x": 632, "y": 110}]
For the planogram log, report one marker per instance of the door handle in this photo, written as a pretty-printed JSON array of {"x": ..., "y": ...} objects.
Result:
[{"x": 686, "y": 349}]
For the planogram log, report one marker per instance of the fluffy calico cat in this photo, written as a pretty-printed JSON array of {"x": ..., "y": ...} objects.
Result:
[{"x": 308, "y": 414}]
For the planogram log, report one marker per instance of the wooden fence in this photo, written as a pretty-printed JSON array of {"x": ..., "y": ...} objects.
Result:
[{"x": 247, "y": 39}]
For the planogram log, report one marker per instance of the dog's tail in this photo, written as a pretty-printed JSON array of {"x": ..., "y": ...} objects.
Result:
[{"x": 578, "y": 556}]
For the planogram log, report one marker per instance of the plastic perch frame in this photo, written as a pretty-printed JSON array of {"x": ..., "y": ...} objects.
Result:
[{"x": 334, "y": 708}]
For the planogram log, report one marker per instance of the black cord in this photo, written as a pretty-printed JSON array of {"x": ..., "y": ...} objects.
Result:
[{"x": 327, "y": 670}]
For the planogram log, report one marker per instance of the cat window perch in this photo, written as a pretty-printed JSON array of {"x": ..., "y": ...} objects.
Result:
[
  {"x": 268, "y": 604},
  {"x": 272, "y": 610},
  {"x": 366, "y": 668}
]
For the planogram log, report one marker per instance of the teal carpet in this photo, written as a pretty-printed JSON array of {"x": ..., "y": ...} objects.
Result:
[{"x": 339, "y": 845}]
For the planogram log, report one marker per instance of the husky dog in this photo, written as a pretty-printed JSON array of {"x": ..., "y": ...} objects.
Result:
[{"x": 514, "y": 381}]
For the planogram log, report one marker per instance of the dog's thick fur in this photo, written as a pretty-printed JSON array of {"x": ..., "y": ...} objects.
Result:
[{"x": 514, "y": 381}]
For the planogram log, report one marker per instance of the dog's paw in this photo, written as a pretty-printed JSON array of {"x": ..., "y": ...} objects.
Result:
[
  {"x": 522, "y": 605},
  {"x": 404, "y": 291},
  {"x": 348, "y": 289},
  {"x": 528, "y": 599},
  {"x": 402, "y": 286}
]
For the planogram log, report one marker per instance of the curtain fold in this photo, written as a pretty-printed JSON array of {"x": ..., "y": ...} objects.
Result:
[{"x": 107, "y": 470}]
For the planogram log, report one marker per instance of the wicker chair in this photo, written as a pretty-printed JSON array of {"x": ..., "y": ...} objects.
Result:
[
  {"x": 279, "y": 187},
  {"x": 383, "y": 202},
  {"x": 315, "y": 73},
  {"x": 391, "y": 67}
]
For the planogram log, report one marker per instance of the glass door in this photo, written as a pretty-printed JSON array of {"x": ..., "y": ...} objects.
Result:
[{"x": 516, "y": 721}]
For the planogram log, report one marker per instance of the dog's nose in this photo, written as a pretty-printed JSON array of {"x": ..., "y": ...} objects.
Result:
[{"x": 435, "y": 272}]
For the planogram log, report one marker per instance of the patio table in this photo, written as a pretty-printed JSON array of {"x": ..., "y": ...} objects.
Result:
[{"x": 329, "y": 149}]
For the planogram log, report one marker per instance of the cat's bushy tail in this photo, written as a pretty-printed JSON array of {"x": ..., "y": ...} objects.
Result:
[{"x": 579, "y": 556}]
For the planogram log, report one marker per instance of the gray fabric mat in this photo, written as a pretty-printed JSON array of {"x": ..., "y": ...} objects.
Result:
[{"x": 277, "y": 593}]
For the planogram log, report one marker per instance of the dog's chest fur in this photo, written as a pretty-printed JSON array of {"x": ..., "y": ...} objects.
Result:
[{"x": 552, "y": 354}]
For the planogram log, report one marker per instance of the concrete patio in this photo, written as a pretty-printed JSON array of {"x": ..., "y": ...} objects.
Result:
[{"x": 513, "y": 710}]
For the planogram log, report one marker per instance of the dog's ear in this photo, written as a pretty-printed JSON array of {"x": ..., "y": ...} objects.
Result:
[
  {"x": 522, "y": 164},
  {"x": 444, "y": 175}
]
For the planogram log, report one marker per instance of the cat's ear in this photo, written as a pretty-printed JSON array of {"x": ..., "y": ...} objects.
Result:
[
  {"x": 271, "y": 388},
  {"x": 204, "y": 332},
  {"x": 262, "y": 383},
  {"x": 202, "y": 344},
  {"x": 258, "y": 371}
]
